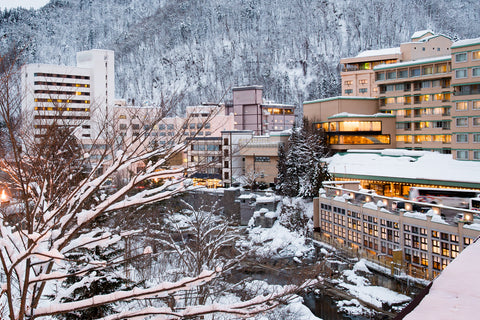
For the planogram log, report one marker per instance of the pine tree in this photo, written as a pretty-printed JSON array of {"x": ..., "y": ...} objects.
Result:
[{"x": 301, "y": 171}]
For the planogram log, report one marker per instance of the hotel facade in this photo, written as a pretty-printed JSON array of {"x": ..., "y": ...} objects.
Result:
[
  {"x": 69, "y": 96},
  {"x": 372, "y": 226},
  {"x": 431, "y": 85}
]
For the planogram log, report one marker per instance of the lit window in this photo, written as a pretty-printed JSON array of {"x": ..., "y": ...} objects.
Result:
[
  {"x": 461, "y": 106},
  {"x": 348, "y": 82},
  {"x": 476, "y": 55},
  {"x": 363, "y": 81},
  {"x": 461, "y": 57},
  {"x": 461, "y": 73}
]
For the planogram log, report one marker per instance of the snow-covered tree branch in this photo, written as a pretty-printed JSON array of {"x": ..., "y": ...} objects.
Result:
[{"x": 52, "y": 239}]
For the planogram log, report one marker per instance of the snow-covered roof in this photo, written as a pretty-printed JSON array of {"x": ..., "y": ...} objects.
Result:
[
  {"x": 421, "y": 33},
  {"x": 379, "y": 52},
  {"x": 340, "y": 98},
  {"x": 455, "y": 293},
  {"x": 412, "y": 62},
  {"x": 353, "y": 115},
  {"x": 466, "y": 42},
  {"x": 402, "y": 165}
]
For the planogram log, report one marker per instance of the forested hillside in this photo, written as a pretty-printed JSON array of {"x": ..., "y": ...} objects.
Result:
[{"x": 204, "y": 47}]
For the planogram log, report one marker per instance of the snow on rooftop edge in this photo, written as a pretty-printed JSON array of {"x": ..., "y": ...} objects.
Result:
[
  {"x": 466, "y": 42},
  {"x": 379, "y": 52},
  {"x": 421, "y": 33},
  {"x": 454, "y": 294},
  {"x": 405, "y": 164}
]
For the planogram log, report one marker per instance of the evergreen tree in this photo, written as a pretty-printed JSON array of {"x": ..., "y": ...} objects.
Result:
[{"x": 301, "y": 171}]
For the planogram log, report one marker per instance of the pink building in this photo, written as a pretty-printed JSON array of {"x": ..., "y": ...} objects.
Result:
[{"x": 252, "y": 113}]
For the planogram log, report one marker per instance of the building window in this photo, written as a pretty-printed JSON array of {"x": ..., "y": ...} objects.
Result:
[
  {"x": 380, "y": 76},
  {"x": 391, "y": 75},
  {"x": 461, "y": 122},
  {"x": 462, "y": 154},
  {"x": 462, "y": 106},
  {"x": 442, "y": 68},
  {"x": 476, "y": 55},
  {"x": 415, "y": 72},
  {"x": 363, "y": 90},
  {"x": 476, "y": 105},
  {"x": 363, "y": 81},
  {"x": 475, "y": 72},
  {"x": 461, "y": 73},
  {"x": 348, "y": 82},
  {"x": 476, "y": 137},
  {"x": 476, "y": 121},
  {"x": 461, "y": 57},
  {"x": 462, "y": 137},
  {"x": 476, "y": 155},
  {"x": 262, "y": 159},
  {"x": 402, "y": 74},
  {"x": 348, "y": 91},
  {"x": 427, "y": 70}
]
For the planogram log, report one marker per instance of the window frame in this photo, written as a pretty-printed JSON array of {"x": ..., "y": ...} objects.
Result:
[
  {"x": 457, "y": 122},
  {"x": 461, "y": 77},
  {"x": 461, "y": 54},
  {"x": 461, "y": 137},
  {"x": 462, "y": 152}
]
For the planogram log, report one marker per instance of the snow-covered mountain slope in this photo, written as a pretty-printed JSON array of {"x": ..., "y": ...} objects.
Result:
[{"x": 202, "y": 48}]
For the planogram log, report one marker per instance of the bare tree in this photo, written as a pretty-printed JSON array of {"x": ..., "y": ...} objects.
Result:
[{"x": 56, "y": 181}]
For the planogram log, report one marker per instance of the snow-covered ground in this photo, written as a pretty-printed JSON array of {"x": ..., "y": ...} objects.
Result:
[
  {"x": 360, "y": 287},
  {"x": 276, "y": 242}
]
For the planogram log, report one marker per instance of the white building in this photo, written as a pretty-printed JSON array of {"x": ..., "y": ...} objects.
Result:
[{"x": 67, "y": 95}]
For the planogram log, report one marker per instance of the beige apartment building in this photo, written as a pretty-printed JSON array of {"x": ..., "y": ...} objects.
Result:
[
  {"x": 430, "y": 84},
  {"x": 466, "y": 99},
  {"x": 249, "y": 159},
  {"x": 373, "y": 227}
]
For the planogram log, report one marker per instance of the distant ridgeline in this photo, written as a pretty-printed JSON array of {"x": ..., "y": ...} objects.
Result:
[{"x": 202, "y": 48}]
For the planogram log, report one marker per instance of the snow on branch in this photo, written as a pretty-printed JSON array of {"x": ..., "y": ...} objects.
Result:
[{"x": 161, "y": 290}]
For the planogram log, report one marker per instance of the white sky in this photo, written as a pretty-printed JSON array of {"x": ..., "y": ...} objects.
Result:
[{"x": 9, "y": 4}]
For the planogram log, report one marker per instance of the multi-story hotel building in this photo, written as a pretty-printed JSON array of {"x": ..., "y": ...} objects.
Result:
[
  {"x": 465, "y": 109},
  {"x": 430, "y": 84},
  {"x": 69, "y": 96},
  {"x": 418, "y": 244}
]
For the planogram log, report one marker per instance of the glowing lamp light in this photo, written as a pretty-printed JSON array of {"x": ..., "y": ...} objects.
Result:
[
  {"x": 367, "y": 199},
  {"x": 3, "y": 196}
]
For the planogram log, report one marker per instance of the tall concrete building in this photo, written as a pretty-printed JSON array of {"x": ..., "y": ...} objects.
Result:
[{"x": 69, "y": 96}]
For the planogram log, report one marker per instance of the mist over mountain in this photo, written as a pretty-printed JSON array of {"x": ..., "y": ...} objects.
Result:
[{"x": 202, "y": 48}]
